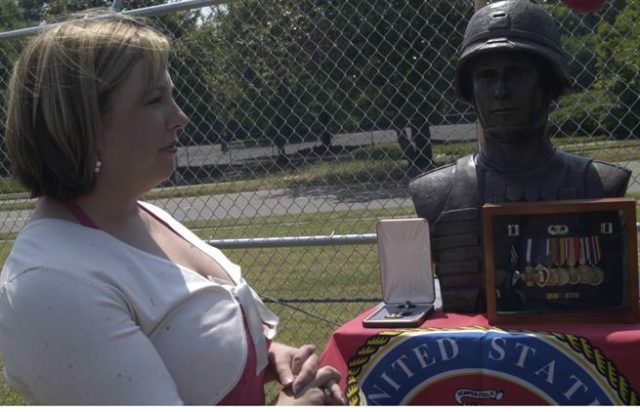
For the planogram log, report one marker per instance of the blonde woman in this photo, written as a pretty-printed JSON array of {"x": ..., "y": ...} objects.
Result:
[{"x": 105, "y": 299}]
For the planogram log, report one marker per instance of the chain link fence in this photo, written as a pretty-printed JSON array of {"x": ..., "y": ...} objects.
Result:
[{"x": 309, "y": 118}]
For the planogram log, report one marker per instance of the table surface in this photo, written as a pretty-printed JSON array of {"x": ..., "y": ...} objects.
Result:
[{"x": 478, "y": 363}]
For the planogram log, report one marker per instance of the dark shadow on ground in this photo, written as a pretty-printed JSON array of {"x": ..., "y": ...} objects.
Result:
[
  {"x": 375, "y": 188},
  {"x": 354, "y": 193}
]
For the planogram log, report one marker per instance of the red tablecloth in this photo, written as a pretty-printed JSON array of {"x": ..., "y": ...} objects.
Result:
[{"x": 461, "y": 359}]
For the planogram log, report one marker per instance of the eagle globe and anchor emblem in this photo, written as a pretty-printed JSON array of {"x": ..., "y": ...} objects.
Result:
[{"x": 444, "y": 367}]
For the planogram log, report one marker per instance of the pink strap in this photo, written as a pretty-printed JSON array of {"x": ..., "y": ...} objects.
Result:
[
  {"x": 85, "y": 220},
  {"x": 80, "y": 214},
  {"x": 250, "y": 388}
]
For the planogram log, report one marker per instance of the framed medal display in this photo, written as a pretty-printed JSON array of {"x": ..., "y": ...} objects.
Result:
[{"x": 561, "y": 261}]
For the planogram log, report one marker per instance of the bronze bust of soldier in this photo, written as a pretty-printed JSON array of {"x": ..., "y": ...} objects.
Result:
[{"x": 511, "y": 68}]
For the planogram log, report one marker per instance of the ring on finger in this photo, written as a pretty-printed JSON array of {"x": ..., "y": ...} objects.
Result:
[{"x": 327, "y": 392}]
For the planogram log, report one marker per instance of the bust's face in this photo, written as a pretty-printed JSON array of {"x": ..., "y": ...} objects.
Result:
[{"x": 508, "y": 91}]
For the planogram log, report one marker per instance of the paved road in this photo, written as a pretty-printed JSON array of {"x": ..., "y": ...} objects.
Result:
[
  {"x": 263, "y": 203},
  {"x": 282, "y": 202},
  {"x": 313, "y": 200}
]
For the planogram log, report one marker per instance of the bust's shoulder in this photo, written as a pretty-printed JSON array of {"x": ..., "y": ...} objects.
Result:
[
  {"x": 605, "y": 168},
  {"x": 443, "y": 175},
  {"x": 430, "y": 190},
  {"x": 433, "y": 178},
  {"x": 614, "y": 178},
  {"x": 611, "y": 177}
]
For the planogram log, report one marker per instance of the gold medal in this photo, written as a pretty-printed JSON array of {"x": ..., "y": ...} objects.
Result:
[
  {"x": 597, "y": 276},
  {"x": 563, "y": 276},
  {"x": 590, "y": 258},
  {"x": 584, "y": 274},
  {"x": 592, "y": 276},
  {"x": 563, "y": 255},
  {"x": 529, "y": 276},
  {"x": 598, "y": 273},
  {"x": 542, "y": 275},
  {"x": 571, "y": 261},
  {"x": 574, "y": 278},
  {"x": 529, "y": 271},
  {"x": 555, "y": 256},
  {"x": 553, "y": 277}
]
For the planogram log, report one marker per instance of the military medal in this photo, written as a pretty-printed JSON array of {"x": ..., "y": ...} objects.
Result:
[
  {"x": 563, "y": 275},
  {"x": 590, "y": 260},
  {"x": 552, "y": 249},
  {"x": 549, "y": 259},
  {"x": 514, "y": 259},
  {"x": 553, "y": 277},
  {"x": 584, "y": 274},
  {"x": 597, "y": 274},
  {"x": 528, "y": 270},
  {"x": 598, "y": 270},
  {"x": 543, "y": 274},
  {"x": 571, "y": 261}
]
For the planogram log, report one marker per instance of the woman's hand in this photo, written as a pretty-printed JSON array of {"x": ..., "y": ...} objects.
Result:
[
  {"x": 322, "y": 390},
  {"x": 297, "y": 371},
  {"x": 293, "y": 367}
]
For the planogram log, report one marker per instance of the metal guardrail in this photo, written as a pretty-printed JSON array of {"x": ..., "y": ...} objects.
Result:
[
  {"x": 143, "y": 11},
  {"x": 293, "y": 241},
  {"x": 288, "y": 241}
]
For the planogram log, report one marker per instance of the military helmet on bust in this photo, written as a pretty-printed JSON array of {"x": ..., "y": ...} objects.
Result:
[{"x": 519, "y": 25}]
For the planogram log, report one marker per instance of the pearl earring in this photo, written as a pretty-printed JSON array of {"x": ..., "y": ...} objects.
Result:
[{"x": 98, "y": 166}]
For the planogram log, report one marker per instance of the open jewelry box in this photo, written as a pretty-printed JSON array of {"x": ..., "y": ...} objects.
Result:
[
  {"x": 406, "y": 272},
  {"x": 561, "y": 261}
]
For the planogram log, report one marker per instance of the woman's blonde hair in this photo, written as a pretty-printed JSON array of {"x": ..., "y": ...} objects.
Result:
[{"x": 61, "y": 87}]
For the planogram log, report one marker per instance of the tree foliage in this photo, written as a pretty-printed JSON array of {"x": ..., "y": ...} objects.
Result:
[
  {"x": 365, "y": 63},
  {"x": 283, "y": 71},
  {"x": 604, "y": 54},
  {"x": 618, "y": 51}
]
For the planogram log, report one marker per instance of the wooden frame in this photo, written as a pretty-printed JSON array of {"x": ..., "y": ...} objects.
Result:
[{"x": 509, "y": 276}]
